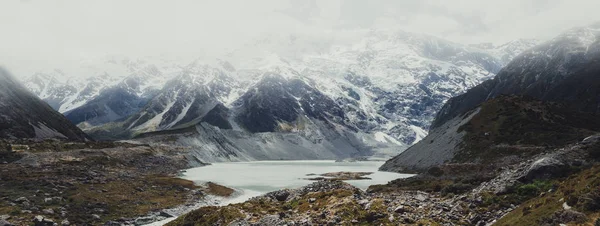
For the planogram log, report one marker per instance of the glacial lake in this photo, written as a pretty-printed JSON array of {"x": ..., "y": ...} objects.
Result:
[
  {"x": 256, "y": 178},
  {"x": 251, "y": 179}
]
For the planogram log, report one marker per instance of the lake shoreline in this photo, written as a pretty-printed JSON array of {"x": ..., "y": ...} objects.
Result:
[{"x": 297, "y": 178}]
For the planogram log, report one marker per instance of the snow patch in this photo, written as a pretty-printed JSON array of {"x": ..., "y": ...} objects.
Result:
[
  {"x": 421, "y": 133},
  {"x": 384, "y": 138},
  {"x": 182, "y": 114}
]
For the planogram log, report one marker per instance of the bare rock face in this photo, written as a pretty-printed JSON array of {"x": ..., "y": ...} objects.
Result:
[
  {"x": 276, "y": 100},
  {"x": 438, "y": 147}
]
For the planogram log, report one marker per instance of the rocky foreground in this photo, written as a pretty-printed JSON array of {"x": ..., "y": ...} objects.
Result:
[
  {"x": 57, "y": 183},
  {"x": 560, "y": 186},
  {"x": 338, "y": 203},
  {"x": 94, "y": 183}
]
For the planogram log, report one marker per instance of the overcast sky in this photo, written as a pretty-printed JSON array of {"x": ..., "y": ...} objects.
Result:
[{"x": 47, "y": 33}]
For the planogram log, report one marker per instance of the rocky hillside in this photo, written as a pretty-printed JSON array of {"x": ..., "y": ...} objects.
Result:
[
  {"x": 24, "y": 115},
  {"x": 552, "y": 188},
  {"x": 530, "y": 156},
  {"x": 563, "y": 69},
  {"x": 504, "y": 130}
]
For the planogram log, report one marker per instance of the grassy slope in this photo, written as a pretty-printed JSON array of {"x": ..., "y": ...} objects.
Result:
[
  {"x": 580, "y": 190},
  {"x": 517, "y": 126}
]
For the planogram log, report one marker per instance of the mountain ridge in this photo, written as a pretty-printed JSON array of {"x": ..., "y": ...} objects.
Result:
[
  {"x": 24, "y": 115},
  {"x": 557, "y": 59},
  {"x": 379, "y": 91},
  {"x": 550, "y": 72}
]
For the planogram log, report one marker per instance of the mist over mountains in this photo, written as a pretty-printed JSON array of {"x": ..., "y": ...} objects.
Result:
[
  {"x": 382, "y": 112},
  {"x": 388, "y": 84},
  {"x": 557, "y": 87}
]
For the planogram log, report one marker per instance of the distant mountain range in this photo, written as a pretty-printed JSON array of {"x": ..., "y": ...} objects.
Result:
[{"x": 378, "y": 92}]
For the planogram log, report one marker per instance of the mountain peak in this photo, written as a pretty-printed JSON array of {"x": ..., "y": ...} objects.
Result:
[{"x": 386, "y": 82}]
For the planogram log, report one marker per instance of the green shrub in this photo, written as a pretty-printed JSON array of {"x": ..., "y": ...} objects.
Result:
[
  {"x": 435, "y": 171},
  {"x": 456, "y": 188},
  {"x": 534, "y": 189}
]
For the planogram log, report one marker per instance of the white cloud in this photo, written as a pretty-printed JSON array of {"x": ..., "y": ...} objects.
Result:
[{"x": 44, "y": 34}]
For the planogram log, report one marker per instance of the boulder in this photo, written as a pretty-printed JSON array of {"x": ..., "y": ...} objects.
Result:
[
  {"x": 42, "y": 221},
  {"x": 281, "y": 195},
  {"x": 544, "y": 168},
  {"x": 21, "y": 200},
  {"x": 38, "y": 218},
  {"x": 400, "y": 209},
  {"x": 48, "y": 211}
]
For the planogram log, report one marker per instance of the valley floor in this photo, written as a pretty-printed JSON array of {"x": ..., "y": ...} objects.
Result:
[
  {"x": 50, "y": 182},
  {"x": 559, "y": 187}
]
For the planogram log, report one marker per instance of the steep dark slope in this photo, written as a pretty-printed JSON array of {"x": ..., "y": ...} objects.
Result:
[
  {"x": 111, "y": 105},
  {"x": 277, "y": 104},
  {"x": 477, "y": 128},
  {"x": 550, "y": 72},
  {"x": 504, "y": 130},
  {"x": 23, "y": 115}
]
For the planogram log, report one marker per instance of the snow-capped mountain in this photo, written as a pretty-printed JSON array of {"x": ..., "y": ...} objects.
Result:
[
  {"x": 386, "y": 85},
  {"x": 186, "y": 98},
  {"x": 66, "y": 91},
  {"x": 544, "y": 72},
  {"x": 548, "y": 95},
  {"x": 507, "y": 51},
  {"x": 24, "y": 115},
  {"x": 394, "y": 82}
]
